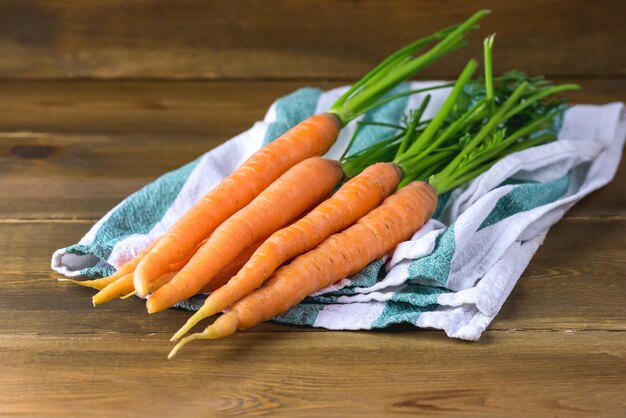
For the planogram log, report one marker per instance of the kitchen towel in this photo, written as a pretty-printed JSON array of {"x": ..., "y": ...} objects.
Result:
[{"x": 454, "y": 274}]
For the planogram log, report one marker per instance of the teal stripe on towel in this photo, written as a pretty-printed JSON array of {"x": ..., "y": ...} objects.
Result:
[
  {"x": 436, "y": 265},
  {"x": 526, "y": 197}
]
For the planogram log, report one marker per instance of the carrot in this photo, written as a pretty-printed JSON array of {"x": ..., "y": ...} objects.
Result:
[
  {"x": 312, "y": 137},
  {"x": 339, "y": 256},
  {"x": 123, "y": 287},
  {"x": 124, "y": 269},
  {"x": 118, "y": 288},
  {"x": 456, "y": 150},
  {"x": 220, "y": 278},
  {"x": 164, "y": 279},
  {"x": 352, "y": 201},
  {"x": 97, "y": 284},
  {"x": 180, "y": 264},
  {"x": 293, "y": 193},
  {"x": 100, "y": 284}
]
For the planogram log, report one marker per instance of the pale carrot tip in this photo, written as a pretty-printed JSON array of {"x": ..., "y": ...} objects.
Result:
[
  {"x": 86, "y": 283},
  {"x": 150, "y": 306},
  {"x": 142, "y": 290},
  {"x": 93, "y": 302},
  {"x": 134, "y": 292},
  {"x": 197, "y": 336},
  {"x": 202, "y": 313}
]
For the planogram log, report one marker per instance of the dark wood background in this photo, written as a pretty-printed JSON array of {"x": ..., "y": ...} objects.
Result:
[
  {"x": 294, "y": 39},
  {"x": 100, "y": 97}
]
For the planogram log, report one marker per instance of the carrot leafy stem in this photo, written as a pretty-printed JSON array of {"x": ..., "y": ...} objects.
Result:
[
  {"x": 481, "y": 121},
  {"x": 369, "y": 92}
]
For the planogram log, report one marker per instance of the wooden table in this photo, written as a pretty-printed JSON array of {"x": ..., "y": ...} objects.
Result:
[{"x": 99, "y": 98}]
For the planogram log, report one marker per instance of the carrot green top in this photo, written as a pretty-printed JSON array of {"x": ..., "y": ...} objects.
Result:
[
  {"x": 480, "y": 122},
  {"x": 368, "y": 92}
]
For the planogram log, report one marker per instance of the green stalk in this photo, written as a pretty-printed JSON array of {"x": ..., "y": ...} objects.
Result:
[
  {"x": 538, "y": 96},
  {"x": 423, "y": 140},
  {"x": 472, "y": 115},
  {"x": 386, "y": 125},
  {"x": 413, "y": 122},
  {"x": 404, "y": 94},
  {"x": 467, "y": 176},
  {"x": 495, "y": 120},
  {"x": 427, "y": 166},
  {"x": 397, "y": 68},
  {"x": 501, "y": 149},
  {"x": 526, "y": 130},
  {"x": 487, "y": 47},
  {"x": 392, "y": 60}
]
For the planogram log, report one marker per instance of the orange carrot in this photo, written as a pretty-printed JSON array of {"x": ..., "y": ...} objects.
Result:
[
  {"x": 123, "y": 287},
  {"x": 220, "y": 278},
  {"x": 230, "y": 270},
  {"x": 314, "y": 136},
  {"x": 100, "y": 284},
  {"x": 118, "y": 288},
  {"x": 180, "y": 264},
  {"x": 164, "y": 279},
  {"x": 351, "y": 202},
  {"x": 339, "y": 256},
  {"x": 289, "y": 196},
  {"x": 97, "y": 284}
]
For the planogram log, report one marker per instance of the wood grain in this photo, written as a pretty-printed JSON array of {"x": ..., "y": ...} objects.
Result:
[
  {"x": 280, "y": 39},
  {"x": 216, "y": 108},
  {"x": 337, "y": 374},
  {"x": 101, "y": 97},
  {"x": 71, "y": 149},
  {"x": 580, "y": 263}
]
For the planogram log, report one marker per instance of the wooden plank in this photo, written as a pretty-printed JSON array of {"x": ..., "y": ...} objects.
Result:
[
  {"x": 338, "y": 374},
  {"x": 289, "y": 38},
  {"x": 216, "y": 108},
  {"x": 574, "y": 282},
  {"x": 84, "y": 176},
  {"x": 75, "y": 149}
]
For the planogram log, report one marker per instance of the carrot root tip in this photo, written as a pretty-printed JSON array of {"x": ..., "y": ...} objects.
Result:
[
  {"x": 84, "y": 283},
  {"x": 142, "y": 290},
  {"x": 134, "y": 292},
  {"x": 197, "y": 336},
  {"x": 204, "y": 312},
  {"x": 151, "y": 307}
]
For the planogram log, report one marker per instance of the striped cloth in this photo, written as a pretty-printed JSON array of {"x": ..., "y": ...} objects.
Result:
[{"x": 454, "y": 274}]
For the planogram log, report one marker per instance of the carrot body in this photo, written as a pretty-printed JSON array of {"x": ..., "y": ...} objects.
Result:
[
  {"x": 119, "y": 288},
  {"x": 124, "y": 286},
  {"x": 173, "y": 267},
  {"x": 293, "y": 193},
  {"x": 339, "y": 256},
  {"x": 230, "y": 270},
  {"x": 351, "y": 202},
  {"x": 220, "y": 278},
  {"x": 314, "y": 136}
]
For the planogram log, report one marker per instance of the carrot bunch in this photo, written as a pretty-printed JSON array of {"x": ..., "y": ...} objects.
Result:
[
  {"x": 275, "y": 221},
  {"x": 270, "y": 189},
  {"x": 482, "y": 121}
]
